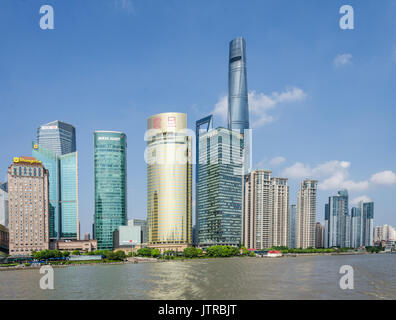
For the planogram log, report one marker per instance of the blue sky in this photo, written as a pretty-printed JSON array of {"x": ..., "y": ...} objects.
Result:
[{"x": 322, "y": 99}]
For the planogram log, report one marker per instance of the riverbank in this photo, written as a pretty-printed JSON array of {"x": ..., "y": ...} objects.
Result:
[{"x": 134, "y": 260}]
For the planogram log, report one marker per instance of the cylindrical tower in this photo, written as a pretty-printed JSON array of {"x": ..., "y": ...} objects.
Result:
[{"x": 169, "y": 182}]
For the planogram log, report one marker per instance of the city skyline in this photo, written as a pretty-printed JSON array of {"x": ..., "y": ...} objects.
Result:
[{"x": 120, "y": 87}]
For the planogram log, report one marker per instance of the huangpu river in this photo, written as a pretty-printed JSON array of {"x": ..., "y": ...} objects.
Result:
[{"x": 309, "y": 277}]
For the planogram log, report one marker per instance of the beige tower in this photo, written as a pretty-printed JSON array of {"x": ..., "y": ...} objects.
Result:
[
  {"x": 169, "y": 181},
  {"x": 28, "y": 206},
  {"x": 265, "y": 210},
  {"x": 306, "y": 214}
]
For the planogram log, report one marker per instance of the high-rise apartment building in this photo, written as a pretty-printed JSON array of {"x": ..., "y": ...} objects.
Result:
[
  {"x": 169, "y": 181},
  {"x": 384, "y": 233},
  {"x": 110, "y": 178},
  {"x": 56, "y": 149},
  {"x": 28, "y": 200},
  {"x": 362, "y": 225},
  {"x": 306, "y": 214},
  {"x": 319, "y": 235},
  {"x": 220, "y": 188},
  {"x": 337, "y": 221},
  {"x": 4, "y": 204},
  {"x": 292, "y": 225},
  {"x": 266, "y": 216}
]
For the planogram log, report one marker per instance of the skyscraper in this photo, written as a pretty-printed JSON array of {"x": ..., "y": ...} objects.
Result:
[
  {"x": 319, "y": 235},
  {"x": 238, "y": 108},
  {"x": 306, "y": 214},
  {"x": 110, "y": 174},
  {"x": 292, "y": 225},
  {"x": 337, "y": 221},
  {"x": 266, "y": 218},
  {"x": 362, "y": 225},
  {"x": 219, "y": 188},
  {"x": 28, "y": 204},
  {"x": 56, "y": 148},
  {"x": 169, "y": 181}
]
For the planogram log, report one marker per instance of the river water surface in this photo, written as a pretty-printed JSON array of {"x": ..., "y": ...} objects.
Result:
[{"x": 313, "y": 277}]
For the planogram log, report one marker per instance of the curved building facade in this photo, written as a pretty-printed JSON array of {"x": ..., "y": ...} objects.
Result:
[
  {"x": 110, "y": 170},
  {"x": 169, "y": 181}
]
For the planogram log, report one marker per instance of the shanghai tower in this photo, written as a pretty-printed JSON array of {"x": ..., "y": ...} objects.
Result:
[{"x": 238, "y": 110}]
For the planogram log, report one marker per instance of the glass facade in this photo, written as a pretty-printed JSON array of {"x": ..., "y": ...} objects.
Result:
[
  {"x": 169, "y": 179},
  {"x": 219, "y": 188},
  {"x": 110, "y": 170},
  {"x": 293, "y": 225},
  {"x": 57, "y": 137}
]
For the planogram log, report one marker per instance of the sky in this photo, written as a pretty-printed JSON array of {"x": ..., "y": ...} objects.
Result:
[{"x": 321, "y": 99}]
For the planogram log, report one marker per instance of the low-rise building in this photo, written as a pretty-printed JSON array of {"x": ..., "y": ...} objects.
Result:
[
  {"x": 70, "y": 245},
  {"x": 4, "y": 239}
]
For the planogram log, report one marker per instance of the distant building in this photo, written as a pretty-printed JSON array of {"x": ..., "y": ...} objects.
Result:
[
  {"x": 143, "y": 225},
  {"x": 362, "y": 225},
  {"x": 56, "y": 148},
  {"x": 292, "y": 225},
  {"x": 337, "y": 221},
  {"x": 71, "y": 245},
  {"x": 306, "y": 214},
  {"x": 127, "y": 236},
  {"x": 87, "y": 236},
  {"x": 4, "y": 204},
  {"x": 319, "y": 235},
  {"x": 266, "y": 216},
  {"x": 110, "y": 171},
  {"x": 4, "y": 239},
  {"x": 28, "y": 197},
  {"x": 384, "y": 233}
]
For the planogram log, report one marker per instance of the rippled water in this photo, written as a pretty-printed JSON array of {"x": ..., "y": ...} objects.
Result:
[{"x": 314, "y": 277}]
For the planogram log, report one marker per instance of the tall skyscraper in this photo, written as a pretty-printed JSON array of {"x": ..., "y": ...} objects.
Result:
[
  {"x": 219, "y": 189},
  {"x": 169, "y": 181},
  {"x": 319, "y": 235},
  {"x": 110, "y": 172},
  {"x": 292, "y": 226},
  {"x": 306, "y": 214},
  {"x": 4, "y": 204},
  {"x": 28, "y": 206},
  {"x": 266, "y": 218},
  {"x": 56, "y": 148},
  {"x": 362, "y": 225},
  {"x": 238, "y": 108},
  {"x": 337, "y": 221}
]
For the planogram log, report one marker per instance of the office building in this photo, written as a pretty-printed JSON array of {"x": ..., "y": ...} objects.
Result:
[
  {"x": 362, "y": 225},
  {"x": 292, "y": 225},
  {"x": 143, "y": 226},
  {"x": 266, "y": 216},
  {"x": 4, "y": 239},
  {"x": 4, "y": 204},
  {"x": 28, "y": 199},
  {"x": 110, "y": 172},
  {"x": 238, "y": 108},
  {"x": 306, "y": 214},
  {"x": 56, "y": 149},
  {"x": 169, "y": 181},
  {"x": 127, "y": 236},
  {"x": 337, "y": 221},
  {"x": 220, "y": 188},
  {"x": 319, "y": 235}
]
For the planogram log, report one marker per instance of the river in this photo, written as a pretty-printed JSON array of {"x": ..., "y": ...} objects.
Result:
[{"x": 312, "y": 277}]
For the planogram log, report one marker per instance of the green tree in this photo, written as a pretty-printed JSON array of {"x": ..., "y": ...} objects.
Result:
[
  {"x": 155, "y": 253},
  {"x": 76, "y": 252},
  {"x": 144, "y": 252}
]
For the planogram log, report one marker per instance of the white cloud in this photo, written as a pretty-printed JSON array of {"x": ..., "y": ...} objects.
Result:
[
  {"x": 334, "y": 175},
  {"x": 125, "y": 5},
  {"x": 384, "y": 177},
  {"x": 342, "y": 59},
  {"x": 356, "y": 200},
  {"x": 277, "y": 161},
  {"x": 260, "y": 104}
]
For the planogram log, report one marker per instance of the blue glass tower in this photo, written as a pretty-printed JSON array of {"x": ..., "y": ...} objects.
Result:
[
  {"x": 238, "y": 110},
  {"x": 56, "y": 148},
  {"x": 110, "y": 172}
]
